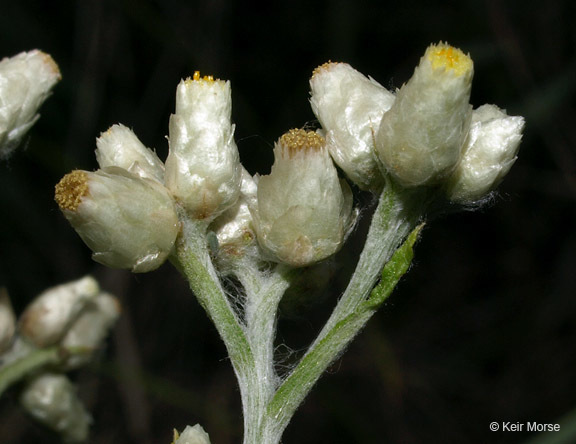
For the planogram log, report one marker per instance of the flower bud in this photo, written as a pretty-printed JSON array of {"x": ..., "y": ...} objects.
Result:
[
  {"x": 192, "y": 435},
  {"x": 420, "y": 139},
  {"x": 350, "y": 107},
  {"x": 52, "y": 400},
  {"x": 120, "y": 147},
  {"x": 25, "y": 82},
  {"x": 47, "y": 318},
  {"x": 203, "y": 167},
  {"x": 89, "y": 330},
  {"x": 7, "y": 321},
  {"x": 489, "y": 153},
  {"x": 127, "y": 221},
  {"x": 234, "y": 229},
  {"x": 304, "y": 209}
]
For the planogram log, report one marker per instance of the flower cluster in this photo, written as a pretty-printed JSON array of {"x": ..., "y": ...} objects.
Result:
[
  {"x": 128, "y": 211},
  {"x": 426, "y": 134},
  {"x": 75, "y": 318},
  {"x": 25, "y": 82}
]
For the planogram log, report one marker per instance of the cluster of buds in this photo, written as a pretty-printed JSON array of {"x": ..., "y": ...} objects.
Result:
[
  {"x": 427, "y": 134},
  {"x": 424, "y": 135},
  {"x": 128, "y": 211},
  {"x": 25, "y": 82},
  {"x": 75, "y": 318}
]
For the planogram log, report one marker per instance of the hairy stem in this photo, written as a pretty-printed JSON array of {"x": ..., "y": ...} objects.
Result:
[{"x": 393, "y": 220}]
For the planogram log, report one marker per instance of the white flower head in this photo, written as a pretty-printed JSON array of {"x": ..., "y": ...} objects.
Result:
[
  {"x": 191, "y": 435},
  {"x": 350, "y": 107},
  {"x": 51, "y": 399},
  {"x": 234, "y": 228},
  {"x": 48, "y": 317},
  {"x": 120, "y": 147},
  {"x": 7, "y": 321},
  {"x": 89, "y": 330},
  {"x": 489, "y": 153},
  {"x": 420, "y": 139},
  {"x": 127, "y": 221},
  {"x": 25, "y": 82},
  {"x": 203, "y": 167},
  {"x": 304, "y": 210}
]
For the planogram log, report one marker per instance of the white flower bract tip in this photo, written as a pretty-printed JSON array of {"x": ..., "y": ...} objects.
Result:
[
  {"x": 421, "y": 137},
  {"x": 303, "y": 211},
  {"x": 25, "y": 82},
  {"x": 350, "y": 107},
  {"x": 203, "y": 167},
  {"x": 52, "y": 400},
  {"x": 127, "y": 221},
  {"x": 120, "y": 147},
  {"x": 89, "y": 329},
  {"x": 191, "y": 435},
  {"x": 47, "y": 318},
  {"x": 489, "y": 153}
]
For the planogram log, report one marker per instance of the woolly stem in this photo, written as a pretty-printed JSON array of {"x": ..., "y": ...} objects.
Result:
[
  {"x": 396, "y": 216},
  {"x": 263, "y": 294},
  {"x": 193, "y": 260}
]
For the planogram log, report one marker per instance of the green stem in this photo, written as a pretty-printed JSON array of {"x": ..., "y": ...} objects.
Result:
[
  {"x": 398, "y": 212},
  {"x": 193, "y": 260},
  {"x": 31, "y": 362},
  {"x": 392, "y": 222}
]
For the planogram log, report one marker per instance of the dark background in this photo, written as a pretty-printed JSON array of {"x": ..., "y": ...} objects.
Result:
[{"x": 484, "y": 327}]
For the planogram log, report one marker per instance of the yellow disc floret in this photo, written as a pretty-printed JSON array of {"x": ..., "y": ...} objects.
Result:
[
  {"x": 296, "y": 140},
  {"x": 324, "y": 67},
  {"x": 197, "y": 77},
  {"x": 444, "y": 56},
  {"x": 71, "y": 189}
]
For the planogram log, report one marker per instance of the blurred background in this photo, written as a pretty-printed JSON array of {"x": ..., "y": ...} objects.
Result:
[{"x": 482, "y": 329}]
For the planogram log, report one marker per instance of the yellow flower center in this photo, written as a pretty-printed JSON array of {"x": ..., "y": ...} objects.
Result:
[
  {"x": 197, "y": 77},
  {"x": 71, "y": 189},
  {"x": 296, "y": 140},
  {"x": 324, "y": 67},
  {"x": 443, "y": 56}
]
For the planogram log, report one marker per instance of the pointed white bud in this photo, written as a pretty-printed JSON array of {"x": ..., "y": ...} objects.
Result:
[
  {"x": 350, "y": 107},
  {"x": 52, "y": 400},
  {"x": 25, "y": 82},
  {"x": 489, "y": 153},
  {"x": 89, "y": 330},
  {"x": 234, "y": 229},
  {"x": 304, "y": 209},
  {"x": 120, "y": 147},
  {"x": 192, "y": 435},
  {"x": 203, "y": 167},
  {"x": 420, "y": 139},
  {"x": 7, "y": 321},
  {"x": 47, "y": 318},
  {"x": 127, "y": 221}
]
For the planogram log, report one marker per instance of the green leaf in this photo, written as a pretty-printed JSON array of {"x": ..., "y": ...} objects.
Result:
[{"x": 394, "y": 269}]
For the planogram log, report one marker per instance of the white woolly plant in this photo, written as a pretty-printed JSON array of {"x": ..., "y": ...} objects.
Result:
[
  {"x": 26, "y": 80},
  {"x": 206, "y": 214},
  {"x": 60, "y": 330}
]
